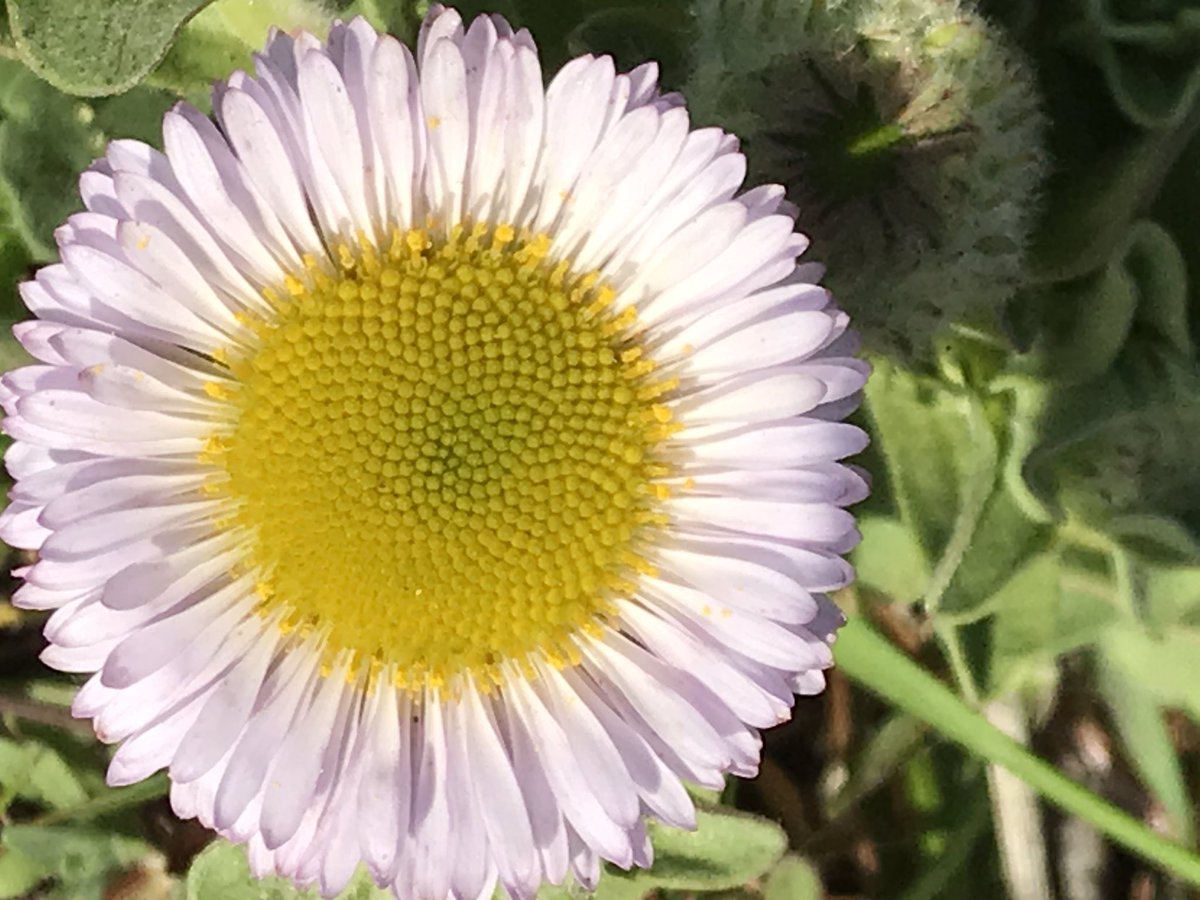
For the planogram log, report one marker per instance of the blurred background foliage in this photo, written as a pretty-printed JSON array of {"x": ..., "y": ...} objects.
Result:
[{"x": 1031, "y": 549}]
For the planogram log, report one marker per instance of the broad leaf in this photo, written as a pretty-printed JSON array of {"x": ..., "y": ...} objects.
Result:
[
  {"x": 793, "y": 879},
  {"x": 1047, "y": 608},
  {"x": 921, "y": 429},
  {"x": 94, "y": 49},
  {"x": 890, "y": 561},
  {"x": 726, "y": 850}
]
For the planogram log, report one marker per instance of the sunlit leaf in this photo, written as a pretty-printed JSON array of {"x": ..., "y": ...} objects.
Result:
[
  {"x": 727, "y": 850},
  {"x": 93, "y": 49}
]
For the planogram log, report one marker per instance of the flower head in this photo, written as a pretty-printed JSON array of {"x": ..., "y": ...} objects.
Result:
[
  {"x": 907, "y": 132},
  {"x": 434, "y": 469}
]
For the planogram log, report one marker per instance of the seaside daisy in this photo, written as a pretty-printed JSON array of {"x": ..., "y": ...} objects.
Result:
[{"x": 434, "y": 469}]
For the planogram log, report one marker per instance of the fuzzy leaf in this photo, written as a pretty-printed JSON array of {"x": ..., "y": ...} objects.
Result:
[
  {"x": 1169, "y": 597},
  {"x": 19, "y": 875},
  {"x": 1005, "y": 539},
  {"x": 793, "y": 879},
  {"x": 1154, "y": 261},
  {"x": 94, "y": 49},
  {"x": 398, "y": 17},
  {"x": 1081, "y": 325},
  {"x": 221, "y": 872},
  {"x": 81, "y": 859},
  {"x": 224, "y": 36},
  {"x": 727, "y": 850},
  {"x": 1119, "y": 453}
]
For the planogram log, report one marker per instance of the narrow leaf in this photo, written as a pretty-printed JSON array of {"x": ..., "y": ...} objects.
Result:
[{"x": 869, "y": 659}]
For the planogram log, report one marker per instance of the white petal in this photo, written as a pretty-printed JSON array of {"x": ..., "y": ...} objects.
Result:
[
  {"x": 447, "y": 120},
  {"x": 225, "y": 713},
  {"x": 385, "y": 792}
]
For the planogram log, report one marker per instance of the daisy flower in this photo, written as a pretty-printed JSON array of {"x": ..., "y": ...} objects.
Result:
[{"x": 435, "y": 470}]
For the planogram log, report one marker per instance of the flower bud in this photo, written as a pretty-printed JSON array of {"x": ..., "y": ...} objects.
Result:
[{"x": 907, "y": 132}]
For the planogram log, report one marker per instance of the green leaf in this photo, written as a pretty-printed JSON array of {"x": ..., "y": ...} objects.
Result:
[
  {"x": 866, "y": 657},
  {"x": 110, "y": 800},
  {"x": 33, "y": 771},
  {"x": 223, "y": 36},
  {"x": 1150, "y": 58},
  {"x": 1143, "y": 732},
  {"x": 890, "y": 560},
  {"x": 1164, "y": 665},
  {"x": 1170, "y": 596},
  {"x": 1082, "y": 324},
  {"x": 95, "y": 49},
  {"x": 999, "y": 537},
  {"x": 727, "y": 850},
  {"x": 922, "y": 431},
  {"x": 75, "y": 856},
  {"x": 793, "y": 878},
  {"x": 1093, "y": 203},
  {"x": 19, "y": 874},
  {"x": 1040, "y": 613},
  {"x": 1119, "y": 452},
  {"x": 1156, "y": 264},
  {"x": 398, "y": 17},
  {"x": 1155, "y": 537},
  {"x": 46, "y": 140},
  {"x": 16, "y": 265},
  {"x": 634, "y": 35},
  {"x": 221, "y": 872}
]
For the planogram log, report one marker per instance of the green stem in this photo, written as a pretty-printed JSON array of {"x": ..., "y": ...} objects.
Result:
[
  {"x": 43, "y": 713},
  {"x": 959, "y": 667},
  {"x": 110, "y": 801},
  {"x": 864, "y": 655}
]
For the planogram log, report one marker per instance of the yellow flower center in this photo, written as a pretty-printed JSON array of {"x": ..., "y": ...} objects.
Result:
[{"x": 446, "y": 452}]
